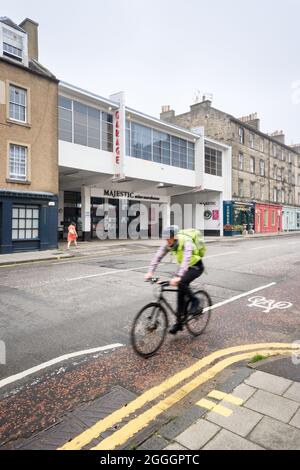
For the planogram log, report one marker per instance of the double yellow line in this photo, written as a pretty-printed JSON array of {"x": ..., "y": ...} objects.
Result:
[{"x": 138, "y": 423}]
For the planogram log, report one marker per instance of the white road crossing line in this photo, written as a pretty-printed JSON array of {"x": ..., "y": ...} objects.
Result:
[
  {"x": 245, "y": 294},
  {"x": 108, "y": 273},
  {"x": 116, "y": 271},
  {"x": 65, "y": 357},
  {"x": 222, "y": 254}
]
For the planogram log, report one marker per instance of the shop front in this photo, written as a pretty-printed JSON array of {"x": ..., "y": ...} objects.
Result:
[
  {"x": 237, "y": 217},
  {"x": 116, "y": 214},
  {"x": 28, "y": 221},
  {"x": 268, "y": 218},
  {"x": 290, "y": 218}
]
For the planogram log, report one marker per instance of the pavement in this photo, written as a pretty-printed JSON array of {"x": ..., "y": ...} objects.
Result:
[
  {"x": 255, "y": 408},
  {"x": 118, "y": 246}
]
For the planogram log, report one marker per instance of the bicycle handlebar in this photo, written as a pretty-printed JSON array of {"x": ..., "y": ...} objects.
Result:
[{"x": 155, "y": 280}]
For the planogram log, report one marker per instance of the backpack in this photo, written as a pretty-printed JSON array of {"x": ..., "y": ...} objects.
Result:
[{"x": 196, "y": 236}]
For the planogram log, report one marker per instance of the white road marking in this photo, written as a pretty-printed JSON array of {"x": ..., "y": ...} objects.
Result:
[
  {"x": 65, "y": 357},
  {"x": 236, "y": 297},
  {"x": 108, "y": 273},
  {"x": 116, "y": 271},
  {"x": 222, "y": 254},
  {"x": 267, "y": 305}
]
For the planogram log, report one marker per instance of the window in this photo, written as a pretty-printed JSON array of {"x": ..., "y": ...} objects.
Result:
[
  {"x": 282, "y": 155},
  {"x": 298, "y": 182},
  {"x": 266, "y": 218},
  {"x": 251, "y": 140},
  {"x": 85, "y": 125},
  {"x": 241, "y": 161},
  {"x": 12, "y": 44},
  {"x": 141, "y": 142},
  {"x": 279, "y": 174},
  {"x": 275, "y": 194},
  {"x": 283, "y": 196},
  {"x": 275, "y": 172},
  {"x": 262, "y": 192},
  {"x": 150, "y": 144},
  {"x": 161, "y": 147},
  {"x": 274, "y": 149},
  {"x": 252, "y": 190},
  {"x": 252, "y": 164},
  {"x": 25, "y": 222},
  {"x": 262, "y": 145},
  {"x": 107, "y": 128},
  {"x": 17, "y": 103},
  {"x": 261, "y": 167},
  {"x": 273, "y": 218},
  {"x": 65, "y": 119},
  {"x": 298, "y": 199},
  {"x": 241, "y": 188},
  {"x": 17, "y": 162},
  {"x": 241, "y": 135},
  {"x": 289, "y": 177},
  {"x": 213, "y": 161}
]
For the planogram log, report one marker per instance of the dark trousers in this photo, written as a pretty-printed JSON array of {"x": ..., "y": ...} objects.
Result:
[{"x": 183, "y": 287}]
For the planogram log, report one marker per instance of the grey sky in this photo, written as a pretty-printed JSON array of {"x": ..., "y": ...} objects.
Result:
[{"x": 163, "y": 51}]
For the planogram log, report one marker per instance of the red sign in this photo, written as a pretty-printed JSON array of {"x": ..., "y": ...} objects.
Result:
[
  {"x": 215, "y": 214},
  {"x": 117, "y": 135}
]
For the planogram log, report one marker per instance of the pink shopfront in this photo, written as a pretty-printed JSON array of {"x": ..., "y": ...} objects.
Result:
[{"x": 268, "y": 218}]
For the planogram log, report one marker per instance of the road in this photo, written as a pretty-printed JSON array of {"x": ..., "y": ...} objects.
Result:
[{"x": 55, "y": 308}]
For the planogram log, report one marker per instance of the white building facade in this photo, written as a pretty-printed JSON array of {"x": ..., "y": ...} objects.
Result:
[{"x": 121, "y": 169}]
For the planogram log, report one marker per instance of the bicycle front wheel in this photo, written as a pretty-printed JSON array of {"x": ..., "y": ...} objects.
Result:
[
  {"x": 149, "y": 329},
  {"x": 197, "y": 323}
]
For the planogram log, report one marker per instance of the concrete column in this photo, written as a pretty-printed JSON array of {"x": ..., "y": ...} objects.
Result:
[
  {"x": 86, "y": 212},
  {"x": 61, "y": 206},
  {"x": 199, "y": 216}
]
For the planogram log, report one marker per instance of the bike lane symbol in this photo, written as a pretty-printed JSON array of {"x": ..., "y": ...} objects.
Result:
[{"x": 267, "y": 305}]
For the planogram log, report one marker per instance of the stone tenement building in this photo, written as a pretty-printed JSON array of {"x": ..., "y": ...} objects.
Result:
[
  {"x": 28, "y": 142},
  {"x": 265, "y": 171}
]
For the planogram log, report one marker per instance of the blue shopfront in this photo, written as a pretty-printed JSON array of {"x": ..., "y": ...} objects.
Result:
[
  {"x": 28, "y": 221},
  {"x": 237, "y": 216}
]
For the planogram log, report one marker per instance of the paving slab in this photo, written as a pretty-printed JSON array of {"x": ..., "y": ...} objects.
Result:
[
  {"x": 274, "y": 435},
  {"x": 175, "y": 446},
  {"x": 154, "y": 443},
  {"x": 283, "y": 367},
  {"x": 241, "y": 421},
  {"x": 197, "y": 435},
  {"x": 244, "y": 392},
  {"x": 226, "y": 440},
  {"x": 181, "y": 423},
  {"x": 293, "y": 393},
  {"x": 272, "y": 405},
  {"x": 268, "y": 382},
  {"x": 295, "y": 421}
]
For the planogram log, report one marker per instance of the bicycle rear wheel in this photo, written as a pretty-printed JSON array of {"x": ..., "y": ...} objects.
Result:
[
  {"x": 149, "y": 329},
  {"x": 197, "y": 323}
]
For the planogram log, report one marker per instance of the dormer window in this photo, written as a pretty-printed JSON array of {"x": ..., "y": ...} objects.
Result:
[
  {"x": 13, "y": 42},
  {"x": 12, "y": 45}
]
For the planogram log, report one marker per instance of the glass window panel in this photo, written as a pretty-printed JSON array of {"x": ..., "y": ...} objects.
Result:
[
  {"x": 15, "y": 234},
  {"x": 64, "y": 102},
  {"x": 15, "y": 213},
  {"x": 35, "y": 233},
  {"x": 28, "y": 234},
  {"x": 21, "y": 234},
  {"x": 28, "y": 223},
  {"x": 28, "y": 213},
  {"x": 22, "y": 213},
  {"x": 15, "y": 223},
  {"x": 35, "y": 223}
]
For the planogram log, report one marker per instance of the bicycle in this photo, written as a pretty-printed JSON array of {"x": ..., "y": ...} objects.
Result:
[{"x": 150, "y": 325}]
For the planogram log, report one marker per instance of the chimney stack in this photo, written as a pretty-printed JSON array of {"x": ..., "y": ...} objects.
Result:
[
  {"x": 31, "y": 28},
  {"x": 167, "y": 113},
  {"x": 279, "y": 136},
  {"x": 252, "y": 120}
]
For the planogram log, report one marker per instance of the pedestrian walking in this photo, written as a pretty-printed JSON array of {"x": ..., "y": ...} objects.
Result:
[{"x": 72, "y": 234}]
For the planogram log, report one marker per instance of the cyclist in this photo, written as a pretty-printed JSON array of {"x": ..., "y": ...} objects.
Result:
[{"x": 191, "y": 267}]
